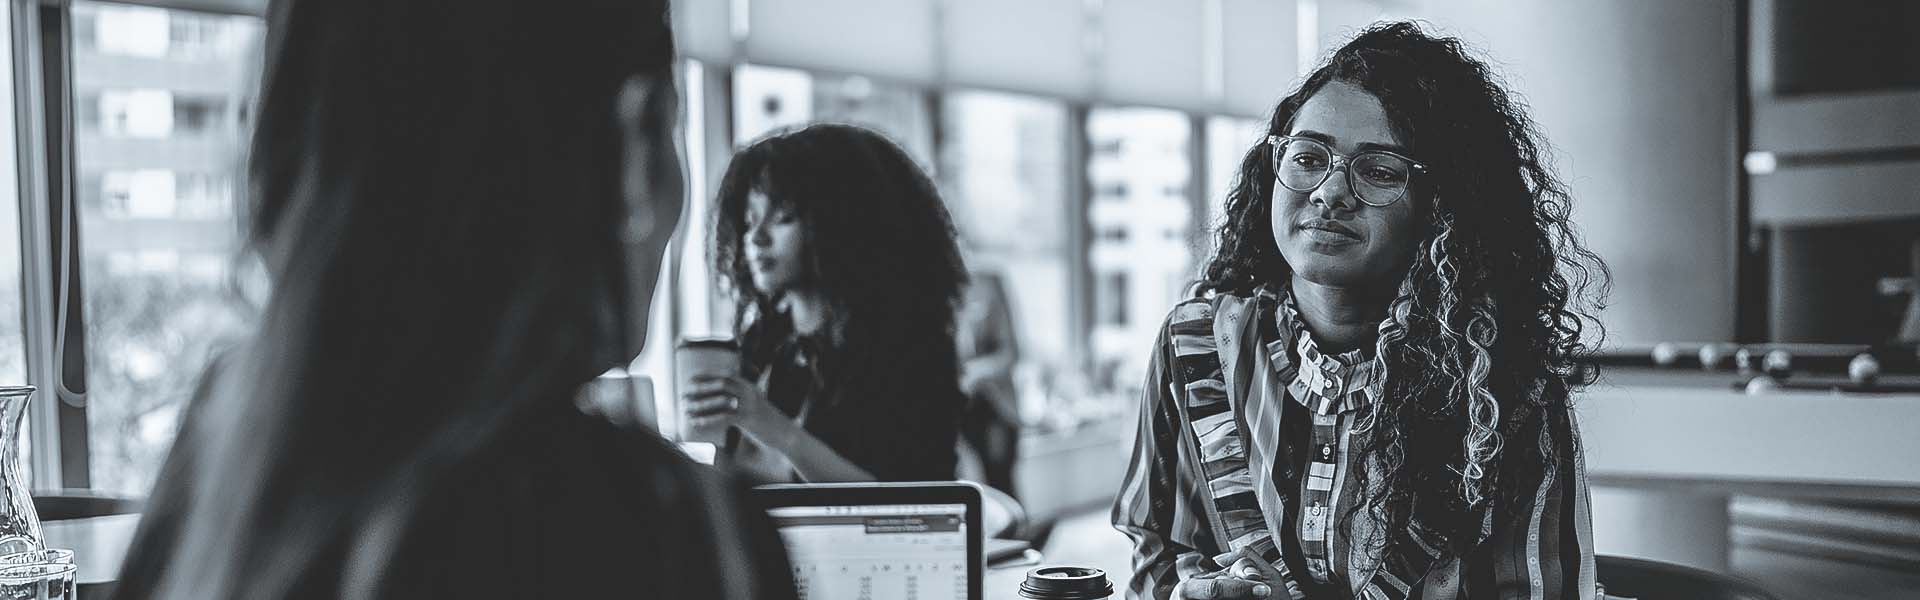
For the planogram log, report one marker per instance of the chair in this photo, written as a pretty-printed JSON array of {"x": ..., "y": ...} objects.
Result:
[
  {"x": 1003, "y": 515},
  {"x": 62, "y": 505},
  {"x": 1653, "y": 580}
]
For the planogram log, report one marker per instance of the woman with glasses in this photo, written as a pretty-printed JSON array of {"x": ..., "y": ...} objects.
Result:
[{"x": 1371, "y": 397}]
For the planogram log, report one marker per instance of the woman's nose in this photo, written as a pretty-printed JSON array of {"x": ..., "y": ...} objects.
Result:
[
  {"x": 1334, "y": 193},
  {"x": 758, "y": 236}
]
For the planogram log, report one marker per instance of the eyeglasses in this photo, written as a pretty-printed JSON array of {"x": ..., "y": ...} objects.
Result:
[{"x": 1377, "y": 177}]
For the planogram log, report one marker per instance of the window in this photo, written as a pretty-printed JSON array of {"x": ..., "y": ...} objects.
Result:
[
  {"x": 1228, "y": 140},
  {"x": 138, "y": 194},
  {"x": 1112, "y": 299},
  {"x": 1004, "y": 173},
  {"x": 124, "y": 31},
  {"x": 134, "y": 113},
  {"x": 158, "y": 248},
  {"x": 203, "y": 196},
  {"x": 1141, "y": 187},
  {"x": 769, "y": 98},
  {"x": 13, "y": 361},
  {"x": 196, "y": 115}
]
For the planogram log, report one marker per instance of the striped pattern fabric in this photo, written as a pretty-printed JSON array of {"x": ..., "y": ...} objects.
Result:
[
  {"x": 1211, "y": 474},
  {"x": 1334, "y": 389},
  {"x": 1223, "y": 456}
]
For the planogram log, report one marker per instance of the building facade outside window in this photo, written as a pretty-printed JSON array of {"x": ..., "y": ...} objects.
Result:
[{"x": 156, "y": 159}]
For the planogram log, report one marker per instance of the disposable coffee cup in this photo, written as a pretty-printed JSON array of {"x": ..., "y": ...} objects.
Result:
[
  {"x": 694, "y": 358},
  {"x": 623, "y": 398},
  {"x": 1066, "y": 583}
]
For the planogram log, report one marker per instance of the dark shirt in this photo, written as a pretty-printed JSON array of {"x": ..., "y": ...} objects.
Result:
[
  {"x": 909, "y": 432},
  {"x": 574, "y": 508},
  {"x": 563, "y": 505}
]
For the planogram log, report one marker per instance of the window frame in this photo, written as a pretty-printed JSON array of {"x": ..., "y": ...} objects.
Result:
[
  {"x": 44, "y": 109},
  {"x": 42, "y": 39}
]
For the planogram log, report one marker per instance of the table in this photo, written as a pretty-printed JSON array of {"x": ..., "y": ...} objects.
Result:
[
  {"x": 1004, "y": 583},
  {"x": 1664, "y": 454},
  {"x": 99, "y": 546}
]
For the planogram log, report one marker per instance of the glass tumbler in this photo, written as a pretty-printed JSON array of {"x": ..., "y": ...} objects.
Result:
[{"x": 46, "y": 581}]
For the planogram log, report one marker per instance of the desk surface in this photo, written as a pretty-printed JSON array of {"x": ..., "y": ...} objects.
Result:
[
  {"x": 99, "y": 544},
  {"x": 1004, "y": 584}
]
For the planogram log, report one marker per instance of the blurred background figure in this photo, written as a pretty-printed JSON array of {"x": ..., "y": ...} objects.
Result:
[
  {"x": 989, "y": 350},
  {"x": 459, "y": 239},
  {"x": 845, "y": 275}
]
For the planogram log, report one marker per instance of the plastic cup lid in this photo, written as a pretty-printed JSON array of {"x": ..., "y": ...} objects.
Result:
[{"x": 1066, "y": 583}]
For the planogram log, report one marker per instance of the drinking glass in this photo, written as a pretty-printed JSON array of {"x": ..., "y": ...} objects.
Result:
[
  {"x": 60, "y": 556},
  {"x": 49, "y": 581}
]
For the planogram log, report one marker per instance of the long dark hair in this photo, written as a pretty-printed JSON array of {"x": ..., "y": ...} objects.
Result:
[
  {"x": 441, "y": 207},
  {"x": 1487, "y": 337},
  {"x": 880, "y": 249}
]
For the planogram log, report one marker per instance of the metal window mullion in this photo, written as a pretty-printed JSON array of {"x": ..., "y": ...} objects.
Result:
[
  {"x": 1198, "y": 147},
  {"x": 57, "y": 106},
  {"x": 39, "y": 284},
  {"x": 1080, "y": 292}
]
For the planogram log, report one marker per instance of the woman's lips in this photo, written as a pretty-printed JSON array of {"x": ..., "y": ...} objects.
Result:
[{"x": 1321, "y": 230}]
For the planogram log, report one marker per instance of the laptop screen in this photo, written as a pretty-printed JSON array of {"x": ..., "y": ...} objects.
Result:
[{"x": 905, "y": 551}]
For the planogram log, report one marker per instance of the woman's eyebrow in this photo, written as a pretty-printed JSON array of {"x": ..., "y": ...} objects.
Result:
[{"x": 1364, "y": 146}]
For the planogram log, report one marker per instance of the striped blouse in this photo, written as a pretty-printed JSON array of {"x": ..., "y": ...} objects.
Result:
[{"x": 1240, "y": 447}]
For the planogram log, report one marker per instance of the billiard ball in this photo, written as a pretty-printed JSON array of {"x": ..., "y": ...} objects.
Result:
[
  {"x": 1743, "y": 360},
  {"x": 1710, "y": 356},
  {"x": 1863, "y": 369},
  {"x": 1762, "y": 384},
  {"x": 1665, "y": 354},
  {"x": 1778, "y": 364}
]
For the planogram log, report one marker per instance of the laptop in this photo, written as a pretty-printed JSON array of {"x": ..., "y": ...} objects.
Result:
[{"x": 907, "y": 541}]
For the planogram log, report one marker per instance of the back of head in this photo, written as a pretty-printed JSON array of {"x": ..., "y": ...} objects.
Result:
[{"x": 439, "y": 202}]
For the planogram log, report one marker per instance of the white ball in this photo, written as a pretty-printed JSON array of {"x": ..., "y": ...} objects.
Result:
[
  {"x": 1743, "y": 360},
  {"x": 1665, "y": 354},
  {"x": 1777, "y": 363},
  {"x": 1710, "y": 356},
  {"x": 1762, "y": 385},
  {"x": 1863, "y": 369}
]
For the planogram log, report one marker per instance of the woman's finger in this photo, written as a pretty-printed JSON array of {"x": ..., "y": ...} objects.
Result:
[
  {"x": 1224, "y": 588},
  {"x": 716, "y": 385},
  {"x": 691, "y": 395},
  {"x": 714, "y": 380},
  {"x": 712, "y": 406}
]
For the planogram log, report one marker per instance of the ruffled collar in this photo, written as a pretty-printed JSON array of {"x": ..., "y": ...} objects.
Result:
[{"x": 1325, "y": 384}]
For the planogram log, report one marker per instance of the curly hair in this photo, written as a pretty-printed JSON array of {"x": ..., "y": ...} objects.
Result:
[
  {"x": 880, "y": 248},
  {"x": 1495, "y": 318}
]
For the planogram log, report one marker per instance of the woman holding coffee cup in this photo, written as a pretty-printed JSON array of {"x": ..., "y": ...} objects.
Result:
[{"x": 845, "y": 274}]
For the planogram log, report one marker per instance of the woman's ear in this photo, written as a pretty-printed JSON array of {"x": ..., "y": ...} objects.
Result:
[
  {"x": 652, "y": 190},
  {"x": 646, "y": 110}
]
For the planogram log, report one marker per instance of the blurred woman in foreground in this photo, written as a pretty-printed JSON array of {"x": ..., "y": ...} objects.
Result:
[{"x": 464, "y": 206}]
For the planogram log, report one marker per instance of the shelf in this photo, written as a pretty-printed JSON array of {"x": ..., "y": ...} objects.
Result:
[{"x": 1837, "y": 194}]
